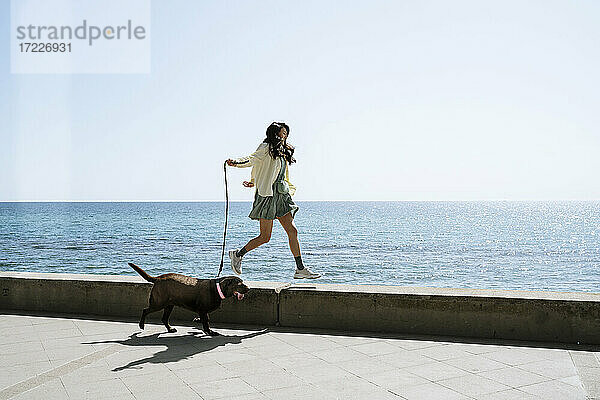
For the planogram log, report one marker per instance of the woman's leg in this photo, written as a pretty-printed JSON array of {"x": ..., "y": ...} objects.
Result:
[
  {"x": 290, "y": 228},
  {"x": 287, "y": 221},
  {"x": 266, "y": 226}
]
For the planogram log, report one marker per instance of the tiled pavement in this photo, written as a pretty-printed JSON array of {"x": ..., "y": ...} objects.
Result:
[{"x": 69, "y": 358}]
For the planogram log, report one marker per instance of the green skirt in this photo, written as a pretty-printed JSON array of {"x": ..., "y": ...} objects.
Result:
[{"x": 271, "y": 207}]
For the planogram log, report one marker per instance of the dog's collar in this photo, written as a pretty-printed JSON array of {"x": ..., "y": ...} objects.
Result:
[{"x": 221, "y": 295}]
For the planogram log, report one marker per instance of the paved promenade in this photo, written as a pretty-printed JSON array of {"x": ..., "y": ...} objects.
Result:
[{"x": 70, "y": 358}]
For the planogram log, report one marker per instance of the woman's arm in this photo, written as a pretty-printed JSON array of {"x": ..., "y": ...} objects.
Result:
[{"x": 252, "y": 159}]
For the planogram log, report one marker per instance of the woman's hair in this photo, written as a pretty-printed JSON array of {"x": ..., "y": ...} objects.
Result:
[{"x": 277, "y": 146}]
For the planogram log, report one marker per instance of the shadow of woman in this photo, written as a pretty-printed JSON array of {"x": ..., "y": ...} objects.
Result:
[{"x": 179, "y": 347}]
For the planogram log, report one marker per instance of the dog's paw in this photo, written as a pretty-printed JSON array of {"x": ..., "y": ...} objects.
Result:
[
  {"x": 172, "y": 330},
  {"x": 141, "y": 325},
  {"x": 212, "y": 333}
]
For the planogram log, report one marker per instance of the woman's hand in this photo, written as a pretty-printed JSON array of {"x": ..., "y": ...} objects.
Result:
[
  {"x": 247, "y": 184},
  {"x": 230, "y": 162}
]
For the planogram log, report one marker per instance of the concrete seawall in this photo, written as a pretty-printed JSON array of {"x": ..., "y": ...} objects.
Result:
[{"x": 520, "y": 315}]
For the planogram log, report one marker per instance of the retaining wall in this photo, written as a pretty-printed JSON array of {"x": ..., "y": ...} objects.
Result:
[{"x": 520, "y": 315}]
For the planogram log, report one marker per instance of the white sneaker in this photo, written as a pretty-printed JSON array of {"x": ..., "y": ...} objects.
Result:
[
  {"x": 236, "y": 262},
  {"x": 305, "y": 274}
]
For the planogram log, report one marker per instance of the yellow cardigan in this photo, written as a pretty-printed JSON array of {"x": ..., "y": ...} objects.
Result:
[{"x": 265, "y": 170}]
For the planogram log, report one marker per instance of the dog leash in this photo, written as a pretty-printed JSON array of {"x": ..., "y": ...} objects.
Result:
[{"x": 226, "y": 213}]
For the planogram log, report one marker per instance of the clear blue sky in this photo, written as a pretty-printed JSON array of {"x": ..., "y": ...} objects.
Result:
[{"x": 395, "y": 100}]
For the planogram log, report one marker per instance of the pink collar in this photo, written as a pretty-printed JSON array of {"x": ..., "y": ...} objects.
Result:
[{"x": 221, "y": 295}]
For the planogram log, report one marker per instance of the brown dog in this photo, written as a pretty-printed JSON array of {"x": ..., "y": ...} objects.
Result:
[{"x": 198, "y": 295}]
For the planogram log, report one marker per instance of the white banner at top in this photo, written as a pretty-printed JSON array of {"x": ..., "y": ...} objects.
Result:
[{"x": 74, "y": 36}]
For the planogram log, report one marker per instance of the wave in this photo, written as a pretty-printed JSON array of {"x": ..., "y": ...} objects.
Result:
[{"x": 77, "y": 248}]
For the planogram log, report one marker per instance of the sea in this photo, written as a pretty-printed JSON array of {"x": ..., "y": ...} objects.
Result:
[{"x": 521, "y": 245}]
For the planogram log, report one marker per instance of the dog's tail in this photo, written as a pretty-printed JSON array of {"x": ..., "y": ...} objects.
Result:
[{"x": 142, "y": 273}]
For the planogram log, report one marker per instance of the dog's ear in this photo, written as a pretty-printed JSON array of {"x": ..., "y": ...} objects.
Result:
[{"x": 227, "y": 285}]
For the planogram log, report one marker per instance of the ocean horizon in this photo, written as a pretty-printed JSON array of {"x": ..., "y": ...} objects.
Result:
[{"x": 490, "y": 244}]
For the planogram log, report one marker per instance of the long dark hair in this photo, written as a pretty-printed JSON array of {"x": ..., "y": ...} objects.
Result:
[{"x": 278, "y": 147}]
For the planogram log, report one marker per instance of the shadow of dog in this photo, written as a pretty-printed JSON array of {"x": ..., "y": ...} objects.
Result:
[{"x": 178, "y": 348}]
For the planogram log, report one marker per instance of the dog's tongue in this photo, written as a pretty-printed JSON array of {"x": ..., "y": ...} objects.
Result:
[{"x": 239, "y": 295}]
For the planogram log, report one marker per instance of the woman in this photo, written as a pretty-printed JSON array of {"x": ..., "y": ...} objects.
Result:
[{"x": 273, "y": 196}]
